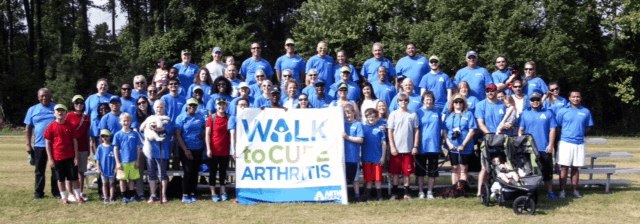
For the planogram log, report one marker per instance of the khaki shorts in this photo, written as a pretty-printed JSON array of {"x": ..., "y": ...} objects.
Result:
[
  {"x": 82, "y": 161},
  {"x": 130, "y": 172}
]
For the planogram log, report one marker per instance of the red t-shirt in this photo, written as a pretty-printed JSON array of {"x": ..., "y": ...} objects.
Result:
[
  {"x": 61, "y": 137},
  {"x": 83, "y": 132},
  {"x": 220, "y": 137}
]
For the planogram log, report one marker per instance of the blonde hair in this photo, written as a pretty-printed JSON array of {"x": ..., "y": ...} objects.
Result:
[
  {"x": 350, "y": 107},
  {"x": 465, "y": 107},
  {"x": 125, "y": 115},
  {"x": 386, "y": 113}
]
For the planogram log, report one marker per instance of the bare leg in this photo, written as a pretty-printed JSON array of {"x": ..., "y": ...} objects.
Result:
[
  {"x": 395, "y": 179},
  {"x": 105, "y": 189},
  {"x": 223, "y": 189},
  {"x": 455, "y": 174},
  {"x": 152, "y": 187},
  {"x": 481, "y": 179},
  {"x": 549, "y": 186},
  {"x": 213, "y": 189},
  {"x": 432, "y": 182},
  {"x": 112, "y": 190},
  {"x": 420, "y": 184},
  {"x": 563, "y": 177},
  {"x": 356, "y": 187},
  {"x": 463, "y": 172},
  {"x": 575, "y": 177},
  {"x": 165, "y": 183}
]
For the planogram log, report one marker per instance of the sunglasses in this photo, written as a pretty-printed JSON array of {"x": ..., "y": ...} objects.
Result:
[
  {"x": 173, "y": 84},
  {"x": 528, "y": 69},
  {"x": 490, "y": 90},
  {"x": 139, "y": 83},
  {"x": 535, "y": 99},
  {"x": 261, "y": 76},
  {"x": 286, "y": 76},
  {"x": 347, "y": 72},
  {"x": 403, "y": 100},
  {"x": 79, "y": 102},
  {"x": 142, "y": 103},
  {"x": 104, "y": 136},
  {"x": 342, "y": 90},
  {"x": 126, "y": 89},
  {"x": 152, "y": 91},
  {"x": 555, "y": 89},
  {"x": 517, "y": 87},
  {"x": 312, "y": 74},
  {"x": 193, "y": 105},
  {"x": 290, "y": 45},
  {"x": 433, "y": 62},
  {"x": 458, "y": 101}
]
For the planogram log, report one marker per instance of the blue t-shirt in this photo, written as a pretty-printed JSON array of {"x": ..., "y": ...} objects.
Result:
[
  {"x": 206, "y": 91},
  {"x": 384, "y": 91},
  {"x": 414, "y": 68},
  {"x": 104, "y": 154},
  {"x": 574, "y": 122},
  {"x": 372, "y": 145},
  {"x": 173, "y": 105},
  {"x": 477, "y": 78},
  {"x": 232, "y": 107},
  {"x": 234, "y": 85},
  {"x": 320, "y": 103},
  {"x": 438, "y": 84},
  {"x": 415, "y": 102},
  {"x": 370, "y": 69},
  {"x": 337, "y": 74},
  {"x": 250, "y": 66},
  {"x": 492, "y": 114},
  {"x": 538, "y": 123},
  {"x": 135, "y": 94},
  {"x": 127, "y": 144},
  {"x": 465, "y": 123},
  {"x": 285, "y": 98},
  {"x": 499, "y": 77},
  {"x": 156, "y": 152},
  {"x": 430, "y": 129},
  {"x": 352, "y": 150},
  {"x": 311, "y": 90},
  {"x": 201, "y": 110},
  {"x": 561, "y": 102},
  {"x": 296, "y": 64},
  {"x": 255, "y": 90},
  {"x": 39, "y": 117},
  {"x": 111, "y": 122},
  {"x": 192, "y": 128},
  {"x": 211, "y": 104},
  {"x": 353, "y": 93},
  {"x": 186, "y": 74},
  {"x": 91, "y": 106},
  {"x": 324, "y": 65},
  {"x": 128, "y": 105},
  {"x": 536, "y": 84},
  {"x": 471, "y": 105}
]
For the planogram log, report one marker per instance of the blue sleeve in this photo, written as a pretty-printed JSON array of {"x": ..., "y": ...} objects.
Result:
[
  {"x": 210, "y": 106},
  {"x": 479, "y": 112},
  {"x": 27, "y": 118},
  {"x": 521, "y": 122},
  {"x": 363, "y": 71},
  {"x": 86, "y": 106},
  {"x": 423, "y": 81},
  {"x": 487, "y": 78},
  {"x": 354, "y": 74},
  {"x": 392, "y": 71},
  {"x": 552, "y": 120},
  {"x": 590, "y": 122},
  {"x": 472, "y": 124},
  {"x": 359, "y": 132},
  {"x": 399, "y": 67},
  {"x": 544, "y": 87},
  {"x": 98, "y": 151},
  {"x": 269, "y": 69},
  {"x": 243, "y": 69},
  {"x": 448, "y": 83},
  {"x": 458, "y": 78},
  {"x": 308, "y": 65},
  {"x": 103, "y": 123},
  {"x": 278, "y": 64},
  {"x": 116, "y": 140},
  {"x": 180, "y": 122},
  {"x": 559, "y": 116},
  {"x": 302, "y": 66},
  {"x": 232, "y": 123}
]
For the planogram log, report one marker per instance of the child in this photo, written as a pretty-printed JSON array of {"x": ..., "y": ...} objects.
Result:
[
  {"x": 353, "y": 137},
  {"x": 218, "y": 141},
  {"x": 230, "y": 60},
  {"x": 505, "y": 174},
  {"x": 62, "y": 152},
  {"x": 127, "y": 151},
  {"x": 510, "y": 116},
  {"x": 373, "y": 152},
  {"x": 106, "y": 164}
]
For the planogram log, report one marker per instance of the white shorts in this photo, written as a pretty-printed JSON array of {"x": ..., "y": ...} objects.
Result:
[{"x": 570, "y": 154}]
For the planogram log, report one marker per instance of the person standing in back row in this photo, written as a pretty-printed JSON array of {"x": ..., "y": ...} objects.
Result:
[
  {"x": 186, "y": 70},
  {"x": 477, "y": 77},
  {"x": 250, "y": 66},
  {"x": 291, "y": 61},
  {"x": 370, "y": 67},
  {"x": 413, "y": 66},
  {"x": 322, "y": 63}
]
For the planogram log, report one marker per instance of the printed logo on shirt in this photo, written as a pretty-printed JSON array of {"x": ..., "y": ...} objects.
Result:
[
  {"x": 543, "y": 117},
  {"x": 478, "y": 74},
  {"x": 582, "y": 114},
  {"x": 441, "y": 79},
  {"x": 296, "y": 61},
  {"x": 388, "y": 89},
  {"x": 132, "y": 137},
  {"x": 329, "y": 63},
  {"x": 420, "y": 63},
  {"x": 532, "y": 84},
  {"x": 464, "y": 118},
  {"x": 354, "y": 127},
  {"x": 385, "y": 64},
  {"x": 501, "y": 112},
  {"x": 434, "y": 115},
  {"x": 560, "y": 104},
  {"x": 260, "y": 66}
]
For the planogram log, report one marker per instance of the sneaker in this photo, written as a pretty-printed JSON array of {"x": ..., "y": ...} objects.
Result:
[
  {"x": 193, "y": 198},
  {"x": 125, "y": 201},
  {"x": 111, "y": 201},
  {"x": 105, "y": 201},
  {"x": 407, "y": 197},
  {"x": 140, "y": 198},
  {"x": 421, "y": 195},
  {"x": 224, "y": 197},
  {"x": 65, "y": 201},
  {"x": 562, "y": 195},
  {"x": 393, "y": 198},
  {"x": 576, "y": 194},
  {"x": 552, "y": 195},
  {"x": 186, "y": 199},
  {"x": 215, "y": 198},
  {"x": 430, "y": 197},
  {"x": 133, "y": 199},
  {"x": 85, "y": 197}
]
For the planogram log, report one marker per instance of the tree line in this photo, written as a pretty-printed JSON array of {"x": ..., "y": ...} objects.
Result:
[{"x": 591, "y": 45}]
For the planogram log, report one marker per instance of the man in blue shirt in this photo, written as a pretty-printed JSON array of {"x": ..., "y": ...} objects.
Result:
[
  {"x": 370, "y": 67},
  {"x": 354, "y": 89},
  {"x": 173, "y": 102},
  {"x": 37, "y": 119},
  {"x": 111, "y": 121},
  {"x": 320, "y": 99},
  {"x": 502, "y": 77},
  {"x": 255, "y": 63},
  {"x": 383, "y": 90},
  {"x": 477, "y": 77},
  {"x": 323, "y": 63},
  {"x": 489, "y": 113},
  {"x": 437, "y": 82},
  {"x": 186, "y": 70},
  {"x": 541, "y": 124},
  {"x": 128, "y": 103},
  {"x": 575, "y": 121},
  {"x": 290, "y": 61},
  {"x": 413, "y": 66}
]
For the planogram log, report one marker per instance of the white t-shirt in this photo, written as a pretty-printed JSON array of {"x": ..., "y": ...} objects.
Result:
[
  {"x": 216, "y": 70},
  {"x": 519, "y": 105},
  {"x": 366, "y": 104}
]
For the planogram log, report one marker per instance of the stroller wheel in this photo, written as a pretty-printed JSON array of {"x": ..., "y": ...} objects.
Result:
[
  {"x": 524, "y": 205},
  {"x": 486, "y": 194}
]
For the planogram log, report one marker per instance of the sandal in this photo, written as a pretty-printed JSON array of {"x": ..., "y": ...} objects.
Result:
[
  {"x": 151, "y": 200},
  {"x": 164, "y": 201}
]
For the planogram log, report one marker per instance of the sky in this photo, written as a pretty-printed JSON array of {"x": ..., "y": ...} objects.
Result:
[{"x": 97, "y": 16}]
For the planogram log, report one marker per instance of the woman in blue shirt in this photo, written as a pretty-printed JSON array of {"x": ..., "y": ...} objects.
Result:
[
  {"x": 190, "y": 134},
  {"x": 431, "y": 135},
  {"x": 460, "y": 125}
]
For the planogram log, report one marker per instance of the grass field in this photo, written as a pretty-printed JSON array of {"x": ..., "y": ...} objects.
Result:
[{"x": 17, "y": 206}]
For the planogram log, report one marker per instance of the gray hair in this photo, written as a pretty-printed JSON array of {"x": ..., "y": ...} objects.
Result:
[
  {"x": 377, "y": 44},
  {"x": 43, "y": 90}
]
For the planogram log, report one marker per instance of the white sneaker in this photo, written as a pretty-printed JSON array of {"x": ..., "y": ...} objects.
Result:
[
  {"x": 429, "y": 196},
  {"x": 576, "y": 194},
  {"x": 421, "y": 195},
  {"x": 562, "y": 195}
]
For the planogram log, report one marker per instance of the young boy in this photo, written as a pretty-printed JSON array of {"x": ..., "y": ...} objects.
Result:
[
  {"x": 62, "y": 150},
  {"x": 353, "y": 137},
  {"x": 373, "y": 152},
  {"x": 127, "y": 149},
  {"x": 106, "y": 163}
]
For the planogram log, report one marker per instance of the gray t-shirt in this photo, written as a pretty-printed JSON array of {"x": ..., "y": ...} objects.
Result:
[
  {"x": 402, "y": 124},
  {"x": 216, "y": 70}
]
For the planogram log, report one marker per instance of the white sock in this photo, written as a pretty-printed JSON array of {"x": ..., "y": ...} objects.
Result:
[
  {"x": 429, "y": 193},
  {"x": 63, "y": 195},
  {"x": 78, "y": 193}
]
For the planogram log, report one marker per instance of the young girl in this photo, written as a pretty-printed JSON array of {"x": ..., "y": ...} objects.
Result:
[
  {"x": 161, "y": 75},
  {"x": 353, "y": 137},
  {"x": 218, "y": 141},
  {"x": 509, "y": 117},
  {"x": 106, "y": 164}
]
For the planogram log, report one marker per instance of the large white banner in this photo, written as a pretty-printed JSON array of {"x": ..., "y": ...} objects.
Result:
[{"x": 290, "y": 156}]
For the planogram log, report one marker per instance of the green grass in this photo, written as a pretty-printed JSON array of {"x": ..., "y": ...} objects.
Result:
[{"x": 17, "y": 206}]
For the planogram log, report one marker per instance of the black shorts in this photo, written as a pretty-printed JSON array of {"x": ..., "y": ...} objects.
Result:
[
  {"x": 66, "y": 170},
  {"x": 459, "y": 160},
  {"x": 431, "y": 167},
  {"x": 351, "y": 171},
  {"x": 546, "y": 166}
]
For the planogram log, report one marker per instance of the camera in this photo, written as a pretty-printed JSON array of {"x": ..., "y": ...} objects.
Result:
[{"x": 456, "y": 134}]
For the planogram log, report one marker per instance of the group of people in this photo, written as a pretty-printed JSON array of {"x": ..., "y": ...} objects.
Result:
[{"x": 400, "y": 117}]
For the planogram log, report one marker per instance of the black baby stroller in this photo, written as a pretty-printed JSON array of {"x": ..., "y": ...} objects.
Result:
[{"x": 520, "y": 154}]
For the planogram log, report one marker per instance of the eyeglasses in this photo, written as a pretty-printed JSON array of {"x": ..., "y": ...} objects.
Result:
[
  {"x": 259, "y": 76},
  {"x": 322, "y": 48},
  {"x": 457, "y": 101},
  {"x": 142, "y": 103},
  {"x": 126, "y": 89},
  {"x": 303, "y": 99},
  {"x": 173, "y": 84},
  {"x": 403, "y": 100},
  {"x": 555, "y": 89},
  {"x": 535, "y": 99},
  {"x": 286, "y": 76},
  {"x": 517, "y": 87},
  {"x": 433, "y": 62},
  {"x": 528, "y": 69}
]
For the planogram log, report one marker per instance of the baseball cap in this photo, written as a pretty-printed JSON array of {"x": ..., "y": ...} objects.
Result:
[
  {"x": 401, "y": 78},
  {"x": 319, "y": 82},
  {"x": 491, "y": 87},
  {"x": 343, "y": 86},
  {"x": 105, "y": 132},
  {"x": 242, "y": 85},
  {"x": 216, "y": 50},
  {"x": 289, "y": 41},
  {"x": 60, "y": 107},
  {"x": 197, "y": 88},
  {"x": 458, "y": 97},
  {"x": 472, "y": 53},
  {"x": 535, "y": 94},
  {"x": 433, "y": 57},
  {"x": 345, "y": 69},
  {"x": 115, "y": 98},
  {"x": 221, "y": 100},
  {"x": 275, "y": 89},
  {"x": 186, "y": 51},
  {"x": 77, "y": 97},
  {"x": 192, "y": 101}
]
